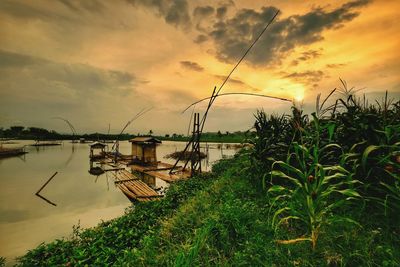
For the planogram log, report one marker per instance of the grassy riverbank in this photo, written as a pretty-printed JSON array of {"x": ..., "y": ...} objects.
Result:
[{"x": 230, "y": 224}]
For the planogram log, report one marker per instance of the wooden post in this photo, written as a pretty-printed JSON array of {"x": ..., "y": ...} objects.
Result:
[
  {"x": 195, "y": 153},
  {"x": 43, "y": 186},
  {"x": 194, "y": 157},
  {"x": 48, "y": 181}
]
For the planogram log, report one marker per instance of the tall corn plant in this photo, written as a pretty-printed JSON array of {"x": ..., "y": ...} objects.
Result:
[
  {"x": 377, "y": 165},
  {"x": 307, "y": 191},
  {"x": 311, "y": 194},
  {"x": 381, "y": 166},
  {"x": 392, "y": 190},
  {"x": 272, "y": 136}
]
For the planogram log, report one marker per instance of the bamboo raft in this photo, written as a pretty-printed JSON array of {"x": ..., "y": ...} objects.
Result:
[
  {"x": 133, "y": 187},
  {"x": 159, "y": 171},
  {"x": 168, "y": 177},
  {"x": 122, "y": 159},
  {"x": 156, "y": 170}
]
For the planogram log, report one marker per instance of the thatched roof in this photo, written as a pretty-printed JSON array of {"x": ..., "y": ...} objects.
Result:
[
  {"x": 97, "y": 145},
  {"x": 144, "y": 140}
]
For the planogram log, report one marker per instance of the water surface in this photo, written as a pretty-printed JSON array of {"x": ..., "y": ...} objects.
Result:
[{"x": 26, "y": 220}]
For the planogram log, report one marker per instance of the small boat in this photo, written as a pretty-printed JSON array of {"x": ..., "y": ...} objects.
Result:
[
  {"x": 47, "y": 143},
  {"x": 11, "y": 152}
]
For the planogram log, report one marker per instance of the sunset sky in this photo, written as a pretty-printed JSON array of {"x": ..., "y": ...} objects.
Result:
[{"x": 98, "y": 62}]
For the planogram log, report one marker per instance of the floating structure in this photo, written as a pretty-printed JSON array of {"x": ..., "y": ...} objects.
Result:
[
  {"x": 133, "y": 187},
  {"x": 144, "y": 150},
  {"x": 145, "y": 164},
  {"x": 159, "y": 170},
  {"x": 98, "y": 147},
  {"x": 47, "y": 143},
  {"x": 136, "y": 174},
  {"x": 11, "y": 152}
]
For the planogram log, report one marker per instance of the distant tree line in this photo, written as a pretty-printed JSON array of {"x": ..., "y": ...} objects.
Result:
[
  {"x": 35, "y": 133},
  {"x": 20, "y": 132},
  {"x": 227, "y": 137}
]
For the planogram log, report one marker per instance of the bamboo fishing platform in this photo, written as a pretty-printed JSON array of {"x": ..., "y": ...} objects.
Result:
[
  {"x": 158, "y": 170},
  {"x": 133, "y": 187},
  {"x": 135, "y": 174},
  {"x": 161, "y": 170}
]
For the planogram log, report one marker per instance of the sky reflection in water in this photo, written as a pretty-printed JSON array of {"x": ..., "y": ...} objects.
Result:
[{"x": 26, "y": 220}]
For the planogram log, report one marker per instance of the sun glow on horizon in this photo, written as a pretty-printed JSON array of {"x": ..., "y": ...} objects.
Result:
[{"x": 299, "y": 97}]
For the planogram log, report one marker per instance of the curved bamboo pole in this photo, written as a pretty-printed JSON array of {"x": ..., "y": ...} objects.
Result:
[{"x": 247, "y": 94}]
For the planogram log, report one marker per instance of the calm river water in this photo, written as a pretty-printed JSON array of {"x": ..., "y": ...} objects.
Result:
[{"x": 26, "y": 220}]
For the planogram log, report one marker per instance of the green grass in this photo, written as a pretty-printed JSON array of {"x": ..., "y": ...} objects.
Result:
[{"x": 227, "y": 224}]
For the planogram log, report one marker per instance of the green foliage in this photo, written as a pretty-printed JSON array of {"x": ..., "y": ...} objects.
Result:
[
  {"x": 316, "y": 166},
  {"x": 380, "y": 165},
  {"x": 312, "y": 191}
]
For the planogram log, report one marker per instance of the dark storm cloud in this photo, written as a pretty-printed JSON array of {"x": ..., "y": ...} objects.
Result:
[
  {"x": 27, "y": 11},
  {"x": 306, "y": 77},
  {"x": 234, "y": 35},
  {"x": 336, "y": 65},
  {"x": 200, "y": 39},
  {"x": 191, "y": 65},
  {"x": 14, "y": 60},
  {"x": 33, "y": 10},
  {"x": 221, "y": 12},
  {"x": 29, "y": 74},
  {"x": 203, "y": 11},
  {"x": 175, "y": 12},
  {"x": 222, "y": 9},
  {"x": 33, "y": 89},
  {"x": 79, "y": 5},
  {"x": 65, "y": 18},
  {"x": 307, "y": 55}
]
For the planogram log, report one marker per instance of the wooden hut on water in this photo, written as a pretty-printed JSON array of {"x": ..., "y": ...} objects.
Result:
[
  {"x": 97, "y": 146},
  {"x": 144, "y": 150}
]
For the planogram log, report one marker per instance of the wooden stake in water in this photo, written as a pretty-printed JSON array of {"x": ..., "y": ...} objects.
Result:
[{"x": 43, "y": 186}]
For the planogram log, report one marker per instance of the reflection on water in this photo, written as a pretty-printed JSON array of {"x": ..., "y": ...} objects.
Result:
[{"x": 27, "y": 220}]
